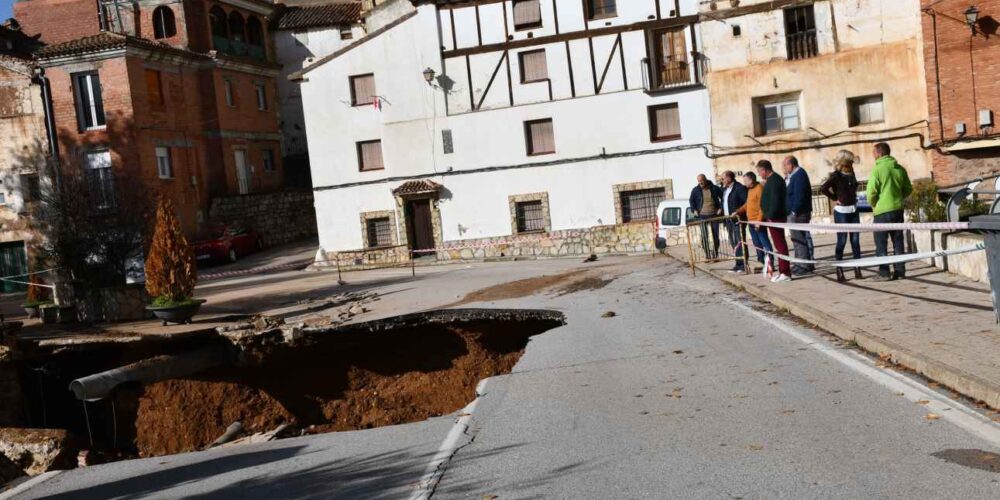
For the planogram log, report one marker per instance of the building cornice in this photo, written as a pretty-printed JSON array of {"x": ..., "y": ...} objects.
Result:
[
  {"x": 268, "y": 70},
  {"x": 255, "y": 6}
]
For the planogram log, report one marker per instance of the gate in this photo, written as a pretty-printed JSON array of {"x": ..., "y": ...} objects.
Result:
[{"x": 13, "y": 263}]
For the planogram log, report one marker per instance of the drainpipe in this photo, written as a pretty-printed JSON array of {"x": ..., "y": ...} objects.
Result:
[
  {"x": 50, "y": 126},
  {"x": 148, "y": 371}
]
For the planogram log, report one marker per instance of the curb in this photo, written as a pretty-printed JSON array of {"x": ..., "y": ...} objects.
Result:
[{"x": 949, "y": 376}]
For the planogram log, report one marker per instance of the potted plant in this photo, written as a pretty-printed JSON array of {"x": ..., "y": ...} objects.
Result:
[
  {"x": 37, "y": 296},
  {"x": 49, "y": 313},
  {"x": 170, "y": 269}
]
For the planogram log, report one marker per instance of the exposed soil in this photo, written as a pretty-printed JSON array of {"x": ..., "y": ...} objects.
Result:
[
  {"x": 341, "y": 381},
  {"x": 581, "y": 279},
  {"x": 588, "y": 283}
]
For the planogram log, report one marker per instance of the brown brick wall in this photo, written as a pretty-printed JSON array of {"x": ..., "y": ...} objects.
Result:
[
  {"x": 58, "y": 20},
  {"x": 963, "y": 76}
]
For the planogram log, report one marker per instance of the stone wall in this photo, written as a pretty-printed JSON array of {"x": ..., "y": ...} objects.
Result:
[
  {"x": 111, "y": 305},
  {"x": 971, "y": 265},
  {"x": 280, "y": 217},
  {"x": 633, "y": 238}
]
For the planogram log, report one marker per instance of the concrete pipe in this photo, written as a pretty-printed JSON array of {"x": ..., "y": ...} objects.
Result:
[{"x": 166, "y": 367}]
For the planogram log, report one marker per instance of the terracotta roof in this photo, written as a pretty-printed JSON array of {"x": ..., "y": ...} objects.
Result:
[
  {"x": 417, "y": 187},
  {"x": 314, "y": 16},
  {"x": 102, "y": 42}
]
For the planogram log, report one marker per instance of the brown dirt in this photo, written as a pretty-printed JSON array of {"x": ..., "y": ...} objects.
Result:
[
  {"x": 345, "y": 381},
  {"x": 531, "y": 286},
  {"x": 588, "y": 283}
]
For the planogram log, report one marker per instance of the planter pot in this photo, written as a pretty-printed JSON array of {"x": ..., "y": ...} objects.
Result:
[
  {"x": 177, "y": 314},
  {"x": 49, "y": 315},
  {"x": 31, "y": 311},
  {"x": 67, "y": 314}
]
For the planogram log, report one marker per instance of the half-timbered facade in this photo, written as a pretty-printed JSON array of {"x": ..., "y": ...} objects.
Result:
[{"x": 489, "y": 128}]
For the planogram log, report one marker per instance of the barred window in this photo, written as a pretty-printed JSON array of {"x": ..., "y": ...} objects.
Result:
[
  {"x": 597, "y": 9},
  {"x": 370, "y": 155},
  {"x": 641, "y": 204},
  {"x": 362, "y": 90},
  {"x": 379, "y": 232},
  {"x": 530, "y": 216},
  {"x": 527, "y": 14},
  {"x": 533, "y": 66},
  {"x": 539, "y": 137}
]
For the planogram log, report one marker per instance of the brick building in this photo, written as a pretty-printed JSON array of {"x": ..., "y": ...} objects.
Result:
[
  {"x": 963, "y": 87},
  {"x": 178, "y": 96}
]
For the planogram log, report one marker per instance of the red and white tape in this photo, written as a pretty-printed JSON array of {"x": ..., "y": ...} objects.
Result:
[{"x": 865, "y": 228}]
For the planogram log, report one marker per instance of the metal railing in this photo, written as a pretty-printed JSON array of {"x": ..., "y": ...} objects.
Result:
[
  {"x": 975, "y": 190},
  {"x": 802, "y": 45},
  {"x": 714, "y": 240},
  {"x": 654, "y": 78}
]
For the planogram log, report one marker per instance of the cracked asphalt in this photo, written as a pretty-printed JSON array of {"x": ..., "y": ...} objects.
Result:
[{"x": 678, "y": 395}]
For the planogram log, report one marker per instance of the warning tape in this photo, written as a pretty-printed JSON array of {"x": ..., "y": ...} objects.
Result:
[
  {"x": 874, "y": 261},
  {"x": 865, "y": 228},
  {"x": 43, "y": 271}
]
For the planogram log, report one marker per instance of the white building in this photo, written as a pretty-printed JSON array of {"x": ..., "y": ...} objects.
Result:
[
  {"x": 304, "y": 31},
  {"x": 547, "y": 127}
]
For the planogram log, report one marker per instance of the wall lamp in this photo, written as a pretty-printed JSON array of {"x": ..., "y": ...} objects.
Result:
[
  {"x": 971, "y": 17},
  {"x": 429, "y": 76}
]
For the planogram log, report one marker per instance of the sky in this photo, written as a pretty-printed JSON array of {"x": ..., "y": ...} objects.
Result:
[{"x": 5, "y": 9}]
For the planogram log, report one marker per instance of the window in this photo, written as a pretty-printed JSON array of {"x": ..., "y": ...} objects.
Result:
[
  {"x": 220, "y": 29},
  {"x": 670, "y": 58},
  {"x": 268, "y": 158},
  {"x": 800, "y": 32},
  {"x": 597, "y": 9},
  {"x": 261, "y": 91},
  {"x": 664, "y": 123},
  {"x": 163, "y": 167},
  {"x": 3, "y": 198},
  {"x": 777, "y": 114},
  {"x": 100, "y": 179},
  {"x": 527, "y": 14},
  {"x": 864, "y": 110},
  {"x": 163, "y": 22},
  {"x": 154, "y": 87},
  {"x": 362, "y": 90},
  {"x": 31, "y": 187},
  {"x": 236, "y": 28},
  {"x": 530, "y": 216},
  {"x": 230, "y": 96},
  {"x": 379, "y": 232},
  {"x": 370, "y": 155},
  {"x": 447, "y": 141},
  {"x": 89, "y": 105},
  {"x": 539, "y": 138},
  {"x": 671, "y": 217},
  {"x": 640, "y": 205},
  {"x": 345, "y": 33},
  {"x": 533, "y": 66}
]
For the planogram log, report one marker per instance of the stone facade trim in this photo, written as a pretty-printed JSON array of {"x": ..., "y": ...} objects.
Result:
[
  {"x": 618, "y": 189},
  {"x": 379, "y": 214},
  {"x": 513, "y": 200}
]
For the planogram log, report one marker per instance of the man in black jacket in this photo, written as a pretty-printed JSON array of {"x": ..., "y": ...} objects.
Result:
[
  {"x": 706, "y": 203},
  {"x": 734, "y": 196}
]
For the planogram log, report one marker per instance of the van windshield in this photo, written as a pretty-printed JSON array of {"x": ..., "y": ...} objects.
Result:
[{"x": 671, "y": 217}]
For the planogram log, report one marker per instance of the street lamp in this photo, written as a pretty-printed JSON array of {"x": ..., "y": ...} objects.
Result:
[
  {"x": 971, "y": 17},
  {"x": 429, "y": 75}
]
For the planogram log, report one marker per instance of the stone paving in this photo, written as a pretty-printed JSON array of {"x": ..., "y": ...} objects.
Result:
[{"x": 936, "y": 323}]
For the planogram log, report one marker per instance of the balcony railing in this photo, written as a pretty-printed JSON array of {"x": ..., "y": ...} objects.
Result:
[
  {"x": 802, "y": 45},
  {"x": 224, "y": 45},
  {"x": 655, "y": 77}
]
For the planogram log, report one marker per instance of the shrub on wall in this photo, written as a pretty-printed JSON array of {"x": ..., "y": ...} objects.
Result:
[
  {"x": 924, "y": 204},
  {"x": 170, "y": 265}
]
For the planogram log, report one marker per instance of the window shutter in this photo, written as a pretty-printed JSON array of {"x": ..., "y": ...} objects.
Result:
[
  {"x": 533, "y": 66},
  {"x": 371, "y": 155},
  {"x": 540, "y": 137},
  {"x": 363, "y": 88},
  {"x": 527, "y": 14},
  {"x": 666, "y": 122}
]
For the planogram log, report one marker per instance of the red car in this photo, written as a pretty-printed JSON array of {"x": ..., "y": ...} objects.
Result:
[{"x": 227, "y": 244}]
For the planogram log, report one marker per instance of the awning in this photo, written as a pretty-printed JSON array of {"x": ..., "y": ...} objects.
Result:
[
  {"x": 970, "y": 145},
  {"x": 417, "y": 187}
]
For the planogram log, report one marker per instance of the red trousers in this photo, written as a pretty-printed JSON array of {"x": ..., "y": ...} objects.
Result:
[{"x": 780, "y": 246}]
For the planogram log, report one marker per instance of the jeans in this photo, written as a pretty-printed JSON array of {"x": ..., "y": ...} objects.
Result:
[
  {"x": 842, "y": 238},
  {"x": 882, "y": 242},
  {"x": 734, "y": 230},
  {"x": 802, "y": 241},
  {"x": 760, "y": 240},
  {"x": 780, "y": 247},
  {"x": 711, "y": 252}
]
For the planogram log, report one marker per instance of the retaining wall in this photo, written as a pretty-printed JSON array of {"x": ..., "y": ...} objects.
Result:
[
  {"x": 280, "y": 217},
  {"x": 971, "y": 265}
]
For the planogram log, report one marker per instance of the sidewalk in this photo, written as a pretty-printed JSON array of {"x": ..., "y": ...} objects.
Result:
[{"x": 935, "y": 323}]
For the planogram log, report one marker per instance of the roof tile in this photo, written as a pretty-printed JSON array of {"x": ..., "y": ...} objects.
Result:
[{"x": 314, "y": 16}]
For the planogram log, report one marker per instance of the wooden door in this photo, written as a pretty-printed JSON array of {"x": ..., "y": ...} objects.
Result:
[
  {"x": 242, "y": 171},
  {"x": 421, "y": 229},
  {"x": 13, "y": 264}
]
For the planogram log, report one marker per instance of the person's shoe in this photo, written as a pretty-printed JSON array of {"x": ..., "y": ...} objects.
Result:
[
  {"x": 857, "y": 273},
  {"x": 881, "y": 278},
  {"x": 840, "y": 275},
  {"x": 781, "y": 278},
  {"x": 898, "y": 276}
]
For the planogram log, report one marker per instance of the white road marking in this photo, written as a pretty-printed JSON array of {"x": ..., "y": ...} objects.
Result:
[
  {"x": 31, "y": 483},
  {"x": 937, "y": 404},
  {"x": 448, "y": 448}
]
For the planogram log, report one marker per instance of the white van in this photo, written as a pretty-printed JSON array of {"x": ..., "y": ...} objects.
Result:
[{"x": 671, "y": 215}]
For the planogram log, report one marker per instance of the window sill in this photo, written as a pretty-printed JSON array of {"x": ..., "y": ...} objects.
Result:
[
  {"x": 537, "y": 231},
  {"x": 601, "y": 17},
  {"x": 865, "y": 124},
  {"x": 363, "y": 170},
  {"x": 673, "y": 89},
  {"x": 778, "y": 134},
  {"x": 527, "y": 27},
  {"x": 539, "y": 80},
  {"x": 542, "y": 153},
  {"x": 670, "y": 138},
  {"x": 94, "y": 129}
]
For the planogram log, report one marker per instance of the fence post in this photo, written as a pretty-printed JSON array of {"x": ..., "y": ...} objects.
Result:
[
  {"x": 340, "y": 276},
  {"x": 746, "y": 246},
  {"x": 990, "y": 226},
  {"x": 413, "y": 264},
  {"x": 690, "y": 250}
]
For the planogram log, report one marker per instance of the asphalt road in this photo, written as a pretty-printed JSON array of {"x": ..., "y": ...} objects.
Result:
[{"x": 689, "y": 391}]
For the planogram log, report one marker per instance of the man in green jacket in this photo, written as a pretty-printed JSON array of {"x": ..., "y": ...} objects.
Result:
[{"x": 888, "y": 187}]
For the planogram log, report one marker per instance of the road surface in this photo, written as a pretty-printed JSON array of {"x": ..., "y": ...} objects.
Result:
[{"x": 691, "y": 390}]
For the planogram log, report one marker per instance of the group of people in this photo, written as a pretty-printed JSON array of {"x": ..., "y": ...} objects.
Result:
[{"x": 764, "y": 197}]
